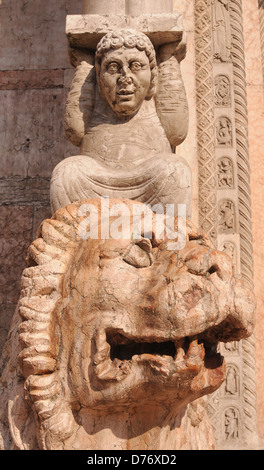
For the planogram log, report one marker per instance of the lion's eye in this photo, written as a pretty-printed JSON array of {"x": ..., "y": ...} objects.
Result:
[{"x": 139, "y": 254}]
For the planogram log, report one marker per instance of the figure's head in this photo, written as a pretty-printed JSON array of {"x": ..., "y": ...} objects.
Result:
[
  {"x": 110, "y": 322},
  {"x": 126, "y": 69}
]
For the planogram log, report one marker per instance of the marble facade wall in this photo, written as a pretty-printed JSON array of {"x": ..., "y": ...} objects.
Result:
[{"x": 35, "y": 75}]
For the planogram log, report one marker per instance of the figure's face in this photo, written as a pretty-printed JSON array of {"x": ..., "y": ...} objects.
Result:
[
  {"x": 124, "y": 79},
  {"x": 145, "y": 321}
]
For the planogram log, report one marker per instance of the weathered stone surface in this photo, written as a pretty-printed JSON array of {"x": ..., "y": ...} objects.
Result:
[
  {"x": 26, "y": 79},
  {"x": 18, "y": 227},
  {"x": 6, "y": 314},
  {"x": 130, "y": 7},
  {"x": 32, "y": 142},
  {"x": 88, "y": 30},
  {"x": 40, "y": 213},
  {"x": 24, "y": 191},
  {"x": 33, "y": 34},
  {"x": 15, "y": 237},
  {"x": 105, "y": 327}
]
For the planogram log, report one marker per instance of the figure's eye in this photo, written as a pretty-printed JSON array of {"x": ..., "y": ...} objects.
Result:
[
  {"x": 135, "y": 66},
  {"x": 139, "y": 255},
  {"x": 113, "y": 67}
]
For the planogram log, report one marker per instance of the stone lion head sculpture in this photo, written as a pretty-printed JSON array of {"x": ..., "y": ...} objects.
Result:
[{"x": 116, "y": 335}]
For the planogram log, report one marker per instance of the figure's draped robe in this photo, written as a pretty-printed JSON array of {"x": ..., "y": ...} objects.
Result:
[{"x": 130, "y": 159}]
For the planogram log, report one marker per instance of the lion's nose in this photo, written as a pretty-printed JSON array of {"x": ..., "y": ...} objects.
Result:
[{"x": 201, "y": 261}]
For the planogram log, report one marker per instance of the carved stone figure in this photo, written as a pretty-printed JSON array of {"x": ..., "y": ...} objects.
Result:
[
  {"x": 224, "y": 132},
  {"x": 225, "y": 173},
  {"x": 112, "y": 337},
  {"x": 221, "y": 30},
  {"x": 231, "y": 424},
  {"x": 227, "y": 218},
  {"x": 231, "y": 386},
  {"x": 126, "y": 113},
  {"x": 222, "y": 91},
  {"x": 230, "y": 249}
]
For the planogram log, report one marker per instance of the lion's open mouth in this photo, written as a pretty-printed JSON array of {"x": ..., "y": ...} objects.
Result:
[
  {"x": 124, "y": 349},
  {"x": 116, "y": 353},
  {"x": 157, "y": 359}
]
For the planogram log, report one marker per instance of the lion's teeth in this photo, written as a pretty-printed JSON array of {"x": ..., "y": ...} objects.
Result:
[
  {"x": 102, "y": 348},
  {"x": 180, "y": 353}
]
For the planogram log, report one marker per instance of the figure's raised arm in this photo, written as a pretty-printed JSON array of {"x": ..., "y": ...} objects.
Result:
[
  {"x": 171, "y": 101},
  {"x": 81, "y": 97}
]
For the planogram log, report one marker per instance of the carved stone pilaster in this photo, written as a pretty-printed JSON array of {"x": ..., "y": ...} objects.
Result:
[
  {"x": 224, "y": 193},
  {"x": 205, "y": 118}
]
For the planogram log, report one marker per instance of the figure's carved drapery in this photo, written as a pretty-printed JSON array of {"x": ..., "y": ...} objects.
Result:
[{"x": 221, "y": 30}]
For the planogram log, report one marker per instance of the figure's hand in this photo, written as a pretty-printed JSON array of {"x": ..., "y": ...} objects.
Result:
[
  {"x": 77, "y": 56},
  {"x": 176, "y": 49}
]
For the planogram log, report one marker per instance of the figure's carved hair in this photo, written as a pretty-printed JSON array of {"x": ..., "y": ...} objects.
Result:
[{"x": 129, "y": 38}]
